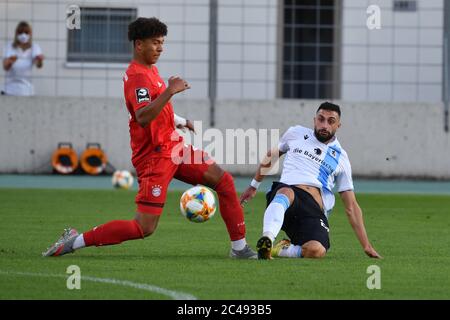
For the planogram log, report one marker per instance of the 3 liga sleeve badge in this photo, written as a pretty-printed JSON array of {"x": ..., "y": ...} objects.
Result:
[{"x": 142, "y": 95}]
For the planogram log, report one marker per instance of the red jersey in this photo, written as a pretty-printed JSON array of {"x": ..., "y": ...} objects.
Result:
[{"x": 141, "y": 86}]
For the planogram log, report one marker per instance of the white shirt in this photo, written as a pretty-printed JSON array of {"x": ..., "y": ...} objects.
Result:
[
  {"x": 311, "y": 162},
  {"x": 18, "y": 78}
]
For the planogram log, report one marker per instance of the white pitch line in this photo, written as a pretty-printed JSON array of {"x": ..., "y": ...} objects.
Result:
[{"x": 176, "y": 295}]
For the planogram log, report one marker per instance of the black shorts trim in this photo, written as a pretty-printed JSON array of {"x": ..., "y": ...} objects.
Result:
[{"x": 304, "y": 220}]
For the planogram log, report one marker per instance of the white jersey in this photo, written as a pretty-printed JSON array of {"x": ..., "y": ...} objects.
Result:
[
  {"x": 18, "y": 78},
  {"x": 311, "y": 162}
]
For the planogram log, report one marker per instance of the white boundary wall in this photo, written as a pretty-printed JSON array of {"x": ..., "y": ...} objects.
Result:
[{"x": 382, "y": 140}]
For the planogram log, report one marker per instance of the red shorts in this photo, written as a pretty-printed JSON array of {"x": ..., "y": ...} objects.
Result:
[{"x": 154, "y": 176}]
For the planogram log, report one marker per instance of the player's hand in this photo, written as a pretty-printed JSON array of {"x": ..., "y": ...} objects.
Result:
[
  {"x": 12, "y": 59},
  {"x": 248, "y": 195},
  {"x": 177, "y": 84},
  {"x": 189, "y": 125},
  {"x": 370, "y": 251}
]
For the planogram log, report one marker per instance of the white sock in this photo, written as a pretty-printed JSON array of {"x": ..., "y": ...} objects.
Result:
[
  {"x": 291, "y": 252},
  {"x": 274, "y": 216},
  {"x": 269, "y": 235},
  {"x": 79, "y": 242},
  {"x": 238, "y": 245}
]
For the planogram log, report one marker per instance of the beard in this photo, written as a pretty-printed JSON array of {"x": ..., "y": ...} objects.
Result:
[{"x": 323, "y": 135}]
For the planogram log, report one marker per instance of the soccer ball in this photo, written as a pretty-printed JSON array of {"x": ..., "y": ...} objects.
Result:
[
  {"x": 198, "y": 204},
  {"x": 122, "y": 179}
]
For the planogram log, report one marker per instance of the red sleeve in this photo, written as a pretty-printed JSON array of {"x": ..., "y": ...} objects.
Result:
[{"x": 138, "y": 91}]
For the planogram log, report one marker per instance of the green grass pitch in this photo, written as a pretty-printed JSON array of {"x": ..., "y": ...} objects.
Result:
[{"x": 411, "y": 232}]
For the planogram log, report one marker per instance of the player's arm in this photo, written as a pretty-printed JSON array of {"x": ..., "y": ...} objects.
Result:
[
  {"x": 264, "y": 167},
  {"x": 148, "y": 113},
  {"x": 355, "y": 217}
]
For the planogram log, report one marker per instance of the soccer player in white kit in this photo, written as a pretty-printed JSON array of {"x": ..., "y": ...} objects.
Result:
[{"x": 302, "y": 200}]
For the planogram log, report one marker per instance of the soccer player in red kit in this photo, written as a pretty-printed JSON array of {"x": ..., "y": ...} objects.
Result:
[{"x": 159, "y": 154}]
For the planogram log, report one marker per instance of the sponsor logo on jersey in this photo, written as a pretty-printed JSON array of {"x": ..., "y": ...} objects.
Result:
[
  {"x": 333, "y": 153},
  {"x": 142, "y": 95}
]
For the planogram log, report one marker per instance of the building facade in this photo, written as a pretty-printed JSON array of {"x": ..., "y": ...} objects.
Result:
[{"x": 265, "y": 49}]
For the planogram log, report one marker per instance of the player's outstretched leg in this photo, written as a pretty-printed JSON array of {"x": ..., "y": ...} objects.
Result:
[
  {"x": 273, "y": 221},
  {"x": 63, "y": 245},
  {"x": 113, "y": 232},
  {"x": 280, "y": 248},
  {"x": 231, "y": 211},
  {"x": 284, "y": 248},
  {"x": 311, "y": 249}
]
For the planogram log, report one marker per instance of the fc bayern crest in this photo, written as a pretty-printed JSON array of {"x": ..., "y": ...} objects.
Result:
[{"x": 156, "y": 191}]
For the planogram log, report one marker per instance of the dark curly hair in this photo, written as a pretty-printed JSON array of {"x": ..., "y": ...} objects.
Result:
[
  {"x": 330, "y": 107},
  {"x": 146, "y": 28}
]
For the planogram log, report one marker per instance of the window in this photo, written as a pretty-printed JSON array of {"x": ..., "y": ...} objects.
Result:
[
  {"x": 103, "y": 36},
  {"x": 309, "y": 53}
]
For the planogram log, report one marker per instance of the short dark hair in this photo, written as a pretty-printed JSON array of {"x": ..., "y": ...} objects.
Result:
[
  {"x": 146, "y": 28},
  {"x": 331, "y": 107}
]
